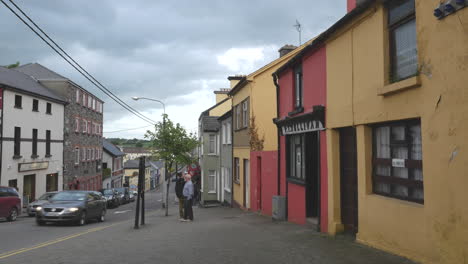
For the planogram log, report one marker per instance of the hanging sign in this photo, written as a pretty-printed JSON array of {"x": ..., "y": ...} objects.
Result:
[{"x": 302, "y": 127}]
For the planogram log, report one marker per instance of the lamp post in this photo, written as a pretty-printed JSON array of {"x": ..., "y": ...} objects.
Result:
[{"x": 136, "y": 98}]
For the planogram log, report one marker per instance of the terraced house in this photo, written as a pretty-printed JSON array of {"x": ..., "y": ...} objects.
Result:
[{"x": 82, "y": 156}]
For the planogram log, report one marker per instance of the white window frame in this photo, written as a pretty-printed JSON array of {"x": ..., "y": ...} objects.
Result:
[
  {"x": 223, "y": 133},
  {"x": 77, "y": 155},
  {"x": 245, "y": 114},
  {"x": 89, "y": 127},
  {"x": 209, "y": 144},
  {"x": 90, "y": 101},
  {"x": 84, "y": 99},
  {"x": 83, "y": 158},
  {"x": 238, "y": 116},
  {"x": 85, "y": 126},
  {"x": 228, "y": 133},
  {"x": 77, "y": 96},
  {"x": 77, "y": 124},
  {"x": 227, "y": 179},
  {"x": 212, "y": 189}
]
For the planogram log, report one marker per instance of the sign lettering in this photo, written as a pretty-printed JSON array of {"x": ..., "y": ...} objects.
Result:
[{"x": 302, "y": 127}]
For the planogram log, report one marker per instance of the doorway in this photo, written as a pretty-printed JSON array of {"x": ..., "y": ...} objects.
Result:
[
  {"x": 348, "y": 180},
  {"x": 29, "y": 188},
  {"x": 246, "y": 183},
  {"x": 52, "y": 182},
  {"x": 312, "y": 168}
]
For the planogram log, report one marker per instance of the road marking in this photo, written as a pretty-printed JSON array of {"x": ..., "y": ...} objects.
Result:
[
  {"x": 122, "y": 212},
  {"x": 55, "y": 241}
]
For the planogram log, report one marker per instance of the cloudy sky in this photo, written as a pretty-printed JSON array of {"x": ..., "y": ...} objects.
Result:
[{"x": 175, "y": 51}]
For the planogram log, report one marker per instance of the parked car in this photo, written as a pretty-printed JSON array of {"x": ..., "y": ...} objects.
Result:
[
  {"x": 131, "y": 196},
  {"x": 31, "y": 210},
  {"x": 112, "y": 197},
  {"x": 124, "y": 194},
  {"x": 10, "y": 203},
  {"x": 72, "y": 206}
]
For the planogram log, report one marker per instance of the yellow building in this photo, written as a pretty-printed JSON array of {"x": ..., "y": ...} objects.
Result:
[
  {"x": 397, "y": 117},
  {"x": 131, "y": 170},
  {"x": 255, "y": 135}
]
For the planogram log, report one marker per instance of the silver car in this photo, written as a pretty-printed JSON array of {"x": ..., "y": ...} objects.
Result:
[{"x": 31, "y": 210}]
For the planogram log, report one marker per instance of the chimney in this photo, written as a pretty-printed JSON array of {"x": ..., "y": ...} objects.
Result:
[
  {"x": 235, "y": 79},
  {"x": 286, "y": 49},
  {"x": 353, "y": 4},
  {"x": 221, "y": 94}
]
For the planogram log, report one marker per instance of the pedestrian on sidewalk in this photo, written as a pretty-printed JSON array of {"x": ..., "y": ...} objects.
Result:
[
  {"x": 188, "y": 194},
  {"x": 179, "y": 189}
]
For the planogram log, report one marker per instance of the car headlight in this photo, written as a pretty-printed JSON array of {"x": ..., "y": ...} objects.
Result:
[
  {"x": 38, "y": 208},
  {"x": 73, "y": 209}
]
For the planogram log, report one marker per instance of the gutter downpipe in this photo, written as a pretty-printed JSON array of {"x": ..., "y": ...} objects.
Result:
[{"x": 275, "y": 81}]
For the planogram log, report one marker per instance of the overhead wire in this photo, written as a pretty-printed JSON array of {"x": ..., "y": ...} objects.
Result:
[
  {"x": 123, "y": 130},
  {"x": 88, "y": 76}
]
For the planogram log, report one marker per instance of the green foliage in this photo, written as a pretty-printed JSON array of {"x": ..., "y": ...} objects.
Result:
[
  {"x": 139, "y": 145},
  {"x": 172, "y": 143},
  {"x": 11, "y": 66},
  {"x": 106, "y": 173}
]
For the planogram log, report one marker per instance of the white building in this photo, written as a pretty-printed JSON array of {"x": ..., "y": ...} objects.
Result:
[
  {"x": 31, "y": 146},
  {"x": 112, "y": 164}
]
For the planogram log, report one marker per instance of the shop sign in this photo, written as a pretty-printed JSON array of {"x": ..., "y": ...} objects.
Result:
[
  {"x": 302, "y": 127},
  {"x": 398, "y": 163},
  {"x": 33, "y": 166}
]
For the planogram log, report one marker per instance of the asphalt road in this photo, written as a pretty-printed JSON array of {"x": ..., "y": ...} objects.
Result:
[{"x": 24, "y": 233}]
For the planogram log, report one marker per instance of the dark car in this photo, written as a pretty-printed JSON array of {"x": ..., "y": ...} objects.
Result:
[
  {"x": 31, "y": 210},
  {"x": 124, "y": 194},
  {"x": 72, "y": 206},
  {"x": 10, "y": 203},
  {"x": 112, "y": 197}
]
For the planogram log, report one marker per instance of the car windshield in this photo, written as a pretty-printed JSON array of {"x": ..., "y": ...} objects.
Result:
[
  {"x": 108, "y": 192},
  {"x": 46, "y": 196},
  {"x": 69, "y": 196}
]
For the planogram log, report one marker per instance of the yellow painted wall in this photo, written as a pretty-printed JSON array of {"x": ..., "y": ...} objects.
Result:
[
  {"x": 238, "y": 188},
  {"x": 220, "y": 97},
  {"x": 221, "y": 109},
  {"x": 436, "y": 232},
  {"x": 134, "y": 179}
]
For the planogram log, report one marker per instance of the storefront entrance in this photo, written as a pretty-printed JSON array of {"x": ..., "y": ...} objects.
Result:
[
  {"x": 29, "y": 188},
  {"x": 312, "y": 177}
]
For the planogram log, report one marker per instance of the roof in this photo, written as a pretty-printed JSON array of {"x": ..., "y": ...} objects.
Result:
[
  {"x": 225, "y": 116},
  {"x": 135, "y": 150},
  {"x": 242, "y": 82},
  {"x": 320, "y": 40},
  {"x": 135, "y": 164},
  {"x": 111, "y": 148},
  {"x": 157, "y": 164},
  {"x": 204, "y": 113},
  {"x": 42, "y": 73},
  {"x": 24, "y": 83},
  {"x": 236, "y": 77},
  {"x": 210, "y": 124}
]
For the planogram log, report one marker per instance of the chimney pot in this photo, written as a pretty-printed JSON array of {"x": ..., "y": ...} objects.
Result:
[{"x": 286, "y": 49}]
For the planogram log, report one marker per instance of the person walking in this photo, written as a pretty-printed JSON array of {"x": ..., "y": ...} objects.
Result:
[
  {"x": 179, "y": 188},
  {"x": 188, "y": 194}
]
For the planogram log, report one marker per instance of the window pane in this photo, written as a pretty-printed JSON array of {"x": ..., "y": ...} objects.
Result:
[
  {"x": 405, "y": 51},
  {"x": 398, "y": 133},
  {"x": 416, "y": 146},
  {"x": 400, "y": 10},
  {"x": 382, "y": 170},
  {"x": 382, "y": 136},
  {"x": 400, "y": 190},
  {"x": 382, "y": 187}
]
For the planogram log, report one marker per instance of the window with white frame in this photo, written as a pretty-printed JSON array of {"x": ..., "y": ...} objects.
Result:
[
  {"x": 245, "y": 113},
  {"x": 236, "y": 170},
  {"x": 77, "y": 155},
  {"x": 212, "y": 181},
  {"x": 77, "y": 96},
  {"x": 85, "y": 126},
  {"x": 83, "y": 154},
  {"x": 212, "y": 144},
  {"x": 223, "y": 133},
  {"x": 228, "y": 133},
  {"x": 238, "y": 116},
  {"x": 77, "y": 124},
  {"x": 89, "y": 127},
  {"x": 90, "y": 101},
  {"x": 84, "y": 97},
  {"x": 227, "y": 178}
]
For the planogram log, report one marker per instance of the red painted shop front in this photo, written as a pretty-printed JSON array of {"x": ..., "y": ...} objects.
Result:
[
  {"x": 263, "y": 180},
  {"x": 302, "y": 138}
]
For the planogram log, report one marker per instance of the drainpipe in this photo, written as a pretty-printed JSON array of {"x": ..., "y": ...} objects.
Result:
[{"x": 275, "y": 81}]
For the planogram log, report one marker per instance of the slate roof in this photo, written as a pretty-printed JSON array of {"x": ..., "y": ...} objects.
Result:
[
  {"x": 134, "y": 164},
  {"x": 111, "y": 148},
  {"x": 210, "y": 123},
  {"x": 40, "y": 72},
  {"x": 24, "y": 83}
]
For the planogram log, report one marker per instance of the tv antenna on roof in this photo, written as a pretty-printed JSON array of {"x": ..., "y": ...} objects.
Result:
[{"x": 299, "y": 29}]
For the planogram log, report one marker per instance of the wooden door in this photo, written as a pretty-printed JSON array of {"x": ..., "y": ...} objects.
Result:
[
  {"x": 348, "y": 179},
  {"x": 29, "y": 187}
]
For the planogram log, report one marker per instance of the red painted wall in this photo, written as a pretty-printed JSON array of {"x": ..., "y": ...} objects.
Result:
[
  {"x": 351, "y": 5},
  {"x": 268, "y": 180},
  {"x": 314, "y": 93}
]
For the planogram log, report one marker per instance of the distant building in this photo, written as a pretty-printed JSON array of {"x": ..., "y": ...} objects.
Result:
[
  {"x": 156, "y": 173},
  {"x": 112, "y": 165},
  {"x": 131, "y": 174},
  {"x": 132, "y": 153},
  {"x": 82, "y": 128},
  {"x": 31, "y": 133}
]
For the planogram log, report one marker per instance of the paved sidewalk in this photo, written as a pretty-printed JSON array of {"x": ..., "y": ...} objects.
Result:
[{"x": 218, "y": 235}]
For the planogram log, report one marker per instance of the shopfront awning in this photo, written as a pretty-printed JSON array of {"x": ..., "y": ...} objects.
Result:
[{"x": 308, "y": 122}]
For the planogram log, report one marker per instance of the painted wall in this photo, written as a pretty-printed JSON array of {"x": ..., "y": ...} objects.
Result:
[
  {"x": 221, "y": 109},
  {"x": 29, "y": 120},
  {"x": 266, "y": 180},
  {"x": 209, "y": 162},
  {"x": 238, "y": 187},
  {"x": 225, "y": 161},
  {"x": 314, "y": 93},
  {"x": 357, "y": 66}
]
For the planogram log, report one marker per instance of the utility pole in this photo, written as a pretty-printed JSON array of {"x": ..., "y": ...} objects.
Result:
[
  {"x": 166, "y": 174},
  {"x": 137, "y": 211},
  {"x": 141, "y": 181}
]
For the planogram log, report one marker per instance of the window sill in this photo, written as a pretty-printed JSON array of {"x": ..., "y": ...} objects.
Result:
[
  {"x": 37, "y": 111},
  {"x": 34, "y": 156},
  {"x": 17, "y": 157},
  {"x": 48, "y": 156},
  {"x": 227, "y": 190},
  {"x": 48, "y": 113},
  {"x": 409, "y": 83},
  {"x": 18, "y": 107},
  {"x": 237, "y": 182},
  {"x": 240, "y": 129},
  {"x": 296, "y": 111},
  {"x": 296, "y": 181},
  {"x": 212, "y": 192}
]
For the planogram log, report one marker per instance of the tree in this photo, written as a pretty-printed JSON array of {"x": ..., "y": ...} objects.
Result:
[
  {"x": 139, "y": 144},
  {"x": 171, "y": 143},
  {"x": 11, "y": 66}
]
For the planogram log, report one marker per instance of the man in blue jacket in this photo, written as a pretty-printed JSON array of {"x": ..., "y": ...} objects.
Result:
[{"x": 188, "y": 194}]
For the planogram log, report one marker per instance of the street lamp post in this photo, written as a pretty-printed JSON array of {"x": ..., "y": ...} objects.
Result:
[{"x": 165, "y": 203}]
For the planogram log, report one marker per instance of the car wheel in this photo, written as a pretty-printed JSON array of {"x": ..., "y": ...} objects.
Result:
[
  {"x": 82, "y": 220},
  {"x": 40, "y": 222},
  {"x": 13, "y": 214},
  {"x": 102, "y": 217}
]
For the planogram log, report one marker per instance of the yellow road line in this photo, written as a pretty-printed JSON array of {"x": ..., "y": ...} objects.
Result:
[{"x": 48, "y": 243}]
